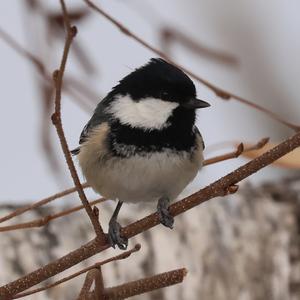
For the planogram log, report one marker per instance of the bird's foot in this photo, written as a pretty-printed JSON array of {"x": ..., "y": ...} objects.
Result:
[
  {"x": 164, "y": 215},
  {"x": 114, "y": 235}
]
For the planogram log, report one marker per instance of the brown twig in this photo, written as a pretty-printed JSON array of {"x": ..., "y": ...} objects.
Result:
[
  {"x": 89, "y": 279},
  {"x": 230, "y": 155},
  {"x": 99, "y": 286},
  {"x": 23, "y": 52},
  {"x": 37, "y": 204},
  {"x": 218, "y": 188},
  {"x": 218, "y": 91},
  {"x": 145, "y": 285},
  {"x": 56, "y": 119},
  {"x": 240, "y": 149},
  {"x": 94, "y": 275},
  {"x": 46, "y": 219},
  {"x": 121, "y": 256},
  {"x": 71, "y": 83},
  {"x": 77, "y": 85},
  {"x": 170, "y": 35}
]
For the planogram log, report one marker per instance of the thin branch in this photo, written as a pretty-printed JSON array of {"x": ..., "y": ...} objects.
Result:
[
  {"x": 240, "y": 150},
  {"x": 56, "y": 119},
  {"x": 170, "y": 35},
  {"x": 121, "y": 256},
  {"x": 89, "y": 279},
  {"x": 145, "y": 285},
  {"x": 94, "y": 275},
  {"x": 71, "y": 84},
  {"x": 37, "y": 204},
  {"x": 218, "y": 188},
  {"x": 80, "y": 87},
  {"x": 23, "y": 52},
  {"x": 218, "y": 91},
  {"x": 99, "y": 285},
  {"x": 46, "y": 219}
]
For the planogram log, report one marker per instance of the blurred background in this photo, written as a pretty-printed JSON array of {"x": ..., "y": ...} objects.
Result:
[{"x": 249, "y": 48}]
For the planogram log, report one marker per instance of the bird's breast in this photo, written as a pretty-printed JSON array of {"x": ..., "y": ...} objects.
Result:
[{"x": 137, "y": 175}]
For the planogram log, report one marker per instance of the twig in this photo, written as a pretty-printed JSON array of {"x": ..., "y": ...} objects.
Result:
[
  {"x": 99, "y": 285},
  {"x": 93, "y": 275},
  {"x": 218, "y": 91},
  {"x": 23, "y": 52},
  {"x": 70, "y": 83},
  {"x": 168, "y": 35},
  {"x": 89, "y": 279},
  {"x": 56, "y": 119},
  {"x": 240, "y": 149},
  {"x": 37, "y": 204},
  {"x": 218, "y": 188},
  {"x": 145, "y": 285},
  {"x": 83, "y": 89},
  {"x": 121, "y": 256},
  {"x": 230, "y": 155},
  {"x": 46, "y": 219}
]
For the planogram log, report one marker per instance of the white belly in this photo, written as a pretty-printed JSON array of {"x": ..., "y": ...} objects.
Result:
[{"x": 143, "y": 178}]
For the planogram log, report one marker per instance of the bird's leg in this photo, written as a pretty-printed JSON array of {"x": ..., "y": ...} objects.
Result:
[
  {"x": 163, "y": 212},
  {"x": 114, "y": 230}
]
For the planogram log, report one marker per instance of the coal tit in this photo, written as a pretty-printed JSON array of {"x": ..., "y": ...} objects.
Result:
[{"x": 141, "y": 143}]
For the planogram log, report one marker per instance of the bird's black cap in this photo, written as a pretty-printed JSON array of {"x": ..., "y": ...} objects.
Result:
[{"x": 158, "y": 79}]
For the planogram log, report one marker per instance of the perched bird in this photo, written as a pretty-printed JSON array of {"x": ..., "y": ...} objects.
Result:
[{"x": 141, "y": 143}]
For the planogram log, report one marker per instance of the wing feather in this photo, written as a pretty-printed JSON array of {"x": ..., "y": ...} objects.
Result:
[{"x": 100, "y": 115}]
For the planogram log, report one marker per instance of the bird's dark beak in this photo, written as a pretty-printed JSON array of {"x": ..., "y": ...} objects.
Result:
[{"x": 195, "y": 103}]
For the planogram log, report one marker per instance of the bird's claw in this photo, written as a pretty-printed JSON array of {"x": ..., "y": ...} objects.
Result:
[
  {"x": 114, "y": 235},
  {"x": 164, "y": 215}
]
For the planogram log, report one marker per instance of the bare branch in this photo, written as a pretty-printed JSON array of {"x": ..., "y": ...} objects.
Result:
[
  {"x": 46, "y": 219},
  {"x": 145, "y": 285},
  {"x": 121, "y": 256},
  {"x": 240, "y": 150},
  {"x": 218, "y": 91},
  {"x": 218, "y": 188},
  {"x": 91, "y": 276},
  {"x": 71, "y": 84},
  {"x": 37, "y": 204},
  {"x": 170, "y": 35},
  {"x": 56, "y": 119}
]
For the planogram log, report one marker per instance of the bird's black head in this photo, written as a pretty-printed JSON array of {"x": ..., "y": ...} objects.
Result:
[
  {"x": 160, "y": 80},
  {"x": 155, "y": 96}
]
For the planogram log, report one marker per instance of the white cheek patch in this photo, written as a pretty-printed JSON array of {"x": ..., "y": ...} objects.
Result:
[{"x": 148, "y": 113}]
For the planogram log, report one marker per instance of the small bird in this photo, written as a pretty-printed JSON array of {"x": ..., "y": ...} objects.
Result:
[{"x": 141, "y": 144}]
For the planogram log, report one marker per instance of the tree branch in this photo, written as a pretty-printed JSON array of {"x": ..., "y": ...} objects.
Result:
[
  {"x": 121, "y": 256},
  {"x": 37, "y": 204},
  {"x": 145, "y": 285},
  {"x": 91, "y": 276},
  {"x": 46, "y": 219},
  {"x": 56, "y": 119},
  {"x": 240, "y": 150}
]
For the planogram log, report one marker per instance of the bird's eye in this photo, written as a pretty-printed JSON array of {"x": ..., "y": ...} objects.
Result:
[{"x": 164, "y": 94}]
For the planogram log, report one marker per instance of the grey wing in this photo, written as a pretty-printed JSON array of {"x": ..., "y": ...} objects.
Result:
[
  {"x": 99, "y": 116},
  {"x": 197, "y": 132}
]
